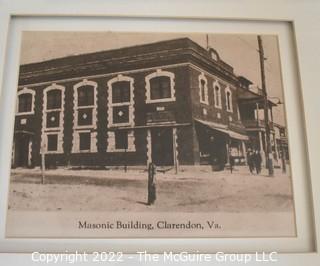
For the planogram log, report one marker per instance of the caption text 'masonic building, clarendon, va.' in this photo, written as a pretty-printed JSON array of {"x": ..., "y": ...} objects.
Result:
[{"x": 170, "y": 102}]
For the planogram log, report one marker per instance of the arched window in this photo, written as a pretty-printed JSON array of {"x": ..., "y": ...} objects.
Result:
[
  {"x": 85, "y": 116},
  {"x": 54, "y": 99},
  {"x": 85, "y": 96},
  {"x": 120, "y": 101},
  {"x": 228, "y": 99},
  {"x": 217, "y": 95},
  {"x": 121, "y": 113},
  {"x": 52, "y": 118},
  {"x": 25, "y": 103},
  {"x": 203, "y": 89},
  {"x": 121, "y": 92},
  {"x": 160, "y": 87},
  {"x": 85, "y": 103}
]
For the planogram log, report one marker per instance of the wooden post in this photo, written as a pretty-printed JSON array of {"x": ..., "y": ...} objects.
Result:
[
  {"x": 149, "y": 148},
  {"x": 125, "y": 160},
  {"x": 268, "y": 150},
  {"x": 175, "y": 152},
  {"x": 151, "y": 183},
  {"x": 43, "y": 163}
]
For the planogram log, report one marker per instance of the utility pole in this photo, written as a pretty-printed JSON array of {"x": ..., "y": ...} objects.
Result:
[{"x": 269, "y": 159}]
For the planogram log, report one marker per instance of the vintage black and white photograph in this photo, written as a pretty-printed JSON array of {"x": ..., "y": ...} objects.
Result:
[{"x": 139, "y": 134}]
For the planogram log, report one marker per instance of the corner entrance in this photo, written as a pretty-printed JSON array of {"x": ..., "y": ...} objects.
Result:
[
  {"x": 162, "y": 146},
  {"x": 22, "y": 149}
]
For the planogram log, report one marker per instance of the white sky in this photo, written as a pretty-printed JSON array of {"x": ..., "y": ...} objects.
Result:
[{"x": 240, "y": 51}]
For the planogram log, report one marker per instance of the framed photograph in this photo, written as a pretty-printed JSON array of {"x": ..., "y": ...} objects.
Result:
[{"x": 130, "y": 131}]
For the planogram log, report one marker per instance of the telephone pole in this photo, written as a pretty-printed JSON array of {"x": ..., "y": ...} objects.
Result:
[{"x": 269, "y": 156}]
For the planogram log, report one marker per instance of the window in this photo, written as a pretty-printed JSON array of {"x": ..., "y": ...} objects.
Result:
[
  {"x": 53, "y": 119},
  {"x": 85, "y": 116},
  {"x": 228, "y": 100},
  {"x": 121, "y": 92},
  {"x": 52, "y": 142},
  {"x": 160, "y": 87},
  {"x": 217, "y": 95},
  {"x": 85, "y": 141},
  {"x": 54, "y": 99},
  {"x": 85, "y": 109},
  {"x": 120, "y": 101},
  {"x": 120, "y": 114},
  {"x": 203, "y": 89},
  {"x": 85, "y": 95},
  {"x": 121, "y": 140},
  {"x": 25, "y": 103}
]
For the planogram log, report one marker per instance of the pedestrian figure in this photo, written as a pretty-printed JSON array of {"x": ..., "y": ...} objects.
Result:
[
  {"x": 231, "y": 161},
  {"x": 257, "y": 161},
  {"x": 250, "y": 160},
  {"x": 151, "y": 183}
]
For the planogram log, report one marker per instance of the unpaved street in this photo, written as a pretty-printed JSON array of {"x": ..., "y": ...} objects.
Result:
[{"x": 198, "y": 190}]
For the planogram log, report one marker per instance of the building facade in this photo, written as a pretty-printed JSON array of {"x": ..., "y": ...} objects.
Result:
[{"x": 171, "y": 102}]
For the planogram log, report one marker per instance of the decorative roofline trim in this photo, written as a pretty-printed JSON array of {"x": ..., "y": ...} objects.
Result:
[{"x": 125, "y": 73}]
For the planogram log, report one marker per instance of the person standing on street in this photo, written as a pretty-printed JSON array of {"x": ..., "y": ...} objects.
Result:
[
  {"x": 257, "y": 161},
  {"x": 250, "y": 160},
  {"x": 231, "y": 161}
]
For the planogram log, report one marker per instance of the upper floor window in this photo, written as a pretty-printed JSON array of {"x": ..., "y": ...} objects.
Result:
[
  {"x": 120, "y": 101},
  {"x": 203, "y": 87},
  {"x": 25, "y": 103},
  {"x": 121, "y": 92},
  {"x": 52, "y": 118},
  {"x": 85, "y": 95},
  {"x": 54, "y": 99},
  {"x": 160, "y": 87},
  {"x": 202, "y": 90},
  {"x": 228, "y": 99},
  {"x": 217, "y": 95}
]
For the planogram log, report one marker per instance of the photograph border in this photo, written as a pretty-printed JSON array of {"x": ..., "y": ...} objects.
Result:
[{"x": 305, "y": 23}]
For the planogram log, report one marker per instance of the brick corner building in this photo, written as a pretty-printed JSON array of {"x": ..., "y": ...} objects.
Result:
[{"x": 170, "y": 102}]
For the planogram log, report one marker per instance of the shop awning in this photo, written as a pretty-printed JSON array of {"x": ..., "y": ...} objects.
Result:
[{"x": 223, "y": 129}]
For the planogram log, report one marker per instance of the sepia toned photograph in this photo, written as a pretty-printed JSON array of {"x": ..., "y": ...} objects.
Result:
[{"x": 139, "y": 134}]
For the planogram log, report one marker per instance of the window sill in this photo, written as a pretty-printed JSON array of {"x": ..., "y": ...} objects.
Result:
[
  {"x": 121, "y": 150},
  {"x": 161, "y": 100},
  {"x": 25, "y": 113},
  {"x": 204, "y": 102}
]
